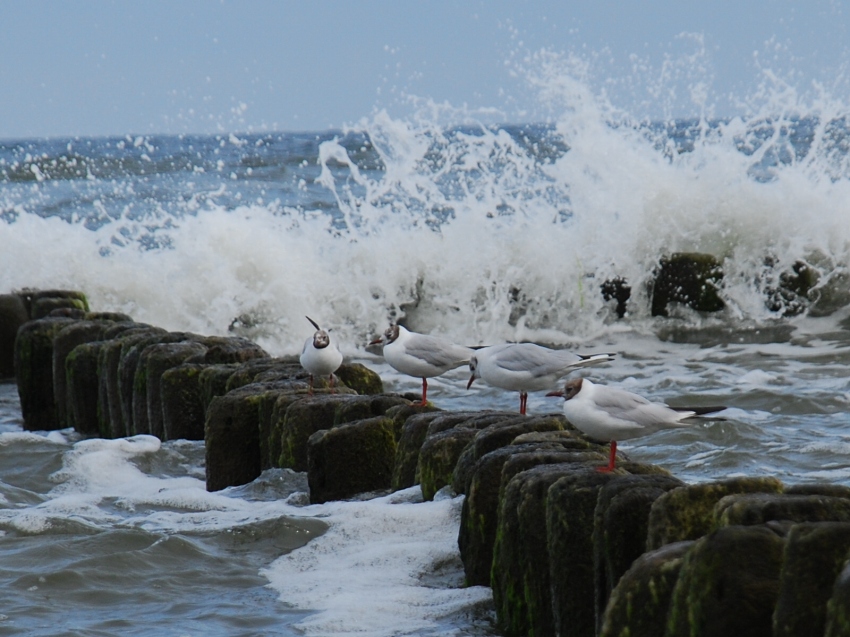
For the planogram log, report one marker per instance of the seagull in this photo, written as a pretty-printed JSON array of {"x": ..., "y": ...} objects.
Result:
[
  {"x": 421, "y": 355},
  {"x": 526, "y": 367},
  {"x": 607, "y": 413},
  {"x": 319, "y": 356}
]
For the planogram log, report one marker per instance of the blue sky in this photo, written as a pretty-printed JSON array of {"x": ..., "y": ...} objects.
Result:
[{"x": 102, "y": 67}]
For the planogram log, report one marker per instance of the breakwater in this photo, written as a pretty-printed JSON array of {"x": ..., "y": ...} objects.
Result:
[{"x": 566, "y": 550}]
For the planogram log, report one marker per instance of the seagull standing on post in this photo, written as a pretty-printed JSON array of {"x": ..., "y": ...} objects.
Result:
[
  {"x": 319, "y": 356},
  {"x": 526, "y": 367},
  {"x": 607, "y": 413},
  {"x": 421, "y": 355}
]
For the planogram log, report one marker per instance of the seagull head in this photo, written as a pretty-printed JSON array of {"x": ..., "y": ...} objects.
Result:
[
  {"x": 320, "y": 337},
  {"x": 571, "y": 388},
  {"x": 390, "y": 334}
]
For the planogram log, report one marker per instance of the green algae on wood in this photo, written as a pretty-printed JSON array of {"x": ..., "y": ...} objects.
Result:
[
  {"x": 438, "y": 456},
  {"x": 687, "y": 513},
  {"x": 814, "y": 557},
  {"x": 729, "y": 584},
  {"x": 640, "y": 601},
  {"x": 349, "y": 459}
]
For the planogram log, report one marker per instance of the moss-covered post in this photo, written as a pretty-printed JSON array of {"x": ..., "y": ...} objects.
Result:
[
  {"x": 520, "y": 575},
  {"x": 64, "y": 342},
  {"x": 349, "y": 459},
  {"x": 438, "y": 457},
  {"x": 34, "y": 372},
  {"x": 814, "y": 557},
  {"x": 360, "y": 378},
  {"x": 620, "y": 527},
  {"x": 571, "y": 504},
  {"x": 687, "y": 513},
  {"x": 838, "y": 607},
  {"x": 232, "y": 440},
  {"x": 156, "y": 360},
  {"x": 13, "y": 314},
  {"x": 640, "y": 602},
  {"x": 183, "y": 411},
  {"x": 413, "y": 433},
  {"x": 109, "y": 389},
  {"x": 43, "y": 302},
  {"x": 81, "y": 373},
  {"x": 479, "y": 515},
  {"x": 728, "y": 585}
]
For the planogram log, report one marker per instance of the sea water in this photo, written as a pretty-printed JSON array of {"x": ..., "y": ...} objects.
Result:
[{"x": 481, "y": 233}]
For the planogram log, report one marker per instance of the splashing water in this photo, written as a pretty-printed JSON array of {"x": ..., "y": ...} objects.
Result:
[{"x": 481, "y": 232}]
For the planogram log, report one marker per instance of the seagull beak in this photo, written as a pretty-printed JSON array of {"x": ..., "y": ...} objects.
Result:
[
  {"x": 377, "y": 341},
  {"x": 559, "y": 394},
  {"x": 469, "y": 384}
]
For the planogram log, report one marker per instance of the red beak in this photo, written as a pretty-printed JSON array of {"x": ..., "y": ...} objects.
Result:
[
  {"x": 377, "y": 340},
  {"x": 559, "y": 394},
  {"x": 469, "y": 384}
]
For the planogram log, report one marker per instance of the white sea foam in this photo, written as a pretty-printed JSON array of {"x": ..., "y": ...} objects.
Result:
[
  {"x": 367, "y": 575},
  {"x": 840, "y": 448},
  {"x": 29, "y": 522},
  {"x": 387, "y": 566},
  {"x": 758, "y": 378},
  {"x": 25, "y": 437},
  {"x": 466, "y": 231}
]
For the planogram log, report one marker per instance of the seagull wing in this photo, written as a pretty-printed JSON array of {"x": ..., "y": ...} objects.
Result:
[
  {"x": 637, "y": 412},
  {"x": 437, "y": 351},
  {"x": 542, "y": 362},
  {"x": 527, "y": 358}
]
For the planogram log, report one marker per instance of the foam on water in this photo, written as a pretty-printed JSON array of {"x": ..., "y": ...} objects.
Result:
[
  {"x": 399, "y": 556},
  {"x": 481, "y": 233},
  {"x": 387, "y": 566}
]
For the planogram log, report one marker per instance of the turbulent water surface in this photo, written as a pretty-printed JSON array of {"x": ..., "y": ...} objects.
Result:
[{"x": 483, "y": 234}]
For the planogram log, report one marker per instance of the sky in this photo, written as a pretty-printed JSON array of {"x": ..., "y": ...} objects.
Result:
[{"x": 104, "y": 67}]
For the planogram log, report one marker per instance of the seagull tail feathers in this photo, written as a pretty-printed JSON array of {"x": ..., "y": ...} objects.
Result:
[
  {"x": 593, "y": 359},
  {"x": 701, "y": 411}
]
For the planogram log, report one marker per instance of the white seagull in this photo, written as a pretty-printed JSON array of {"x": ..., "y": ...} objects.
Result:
[
  {"x": 607, "y": 413},
  {"x": 421, "y": 355},
  {"x": 319, "y": 356},
  {"x": 526, "y": 367}
]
